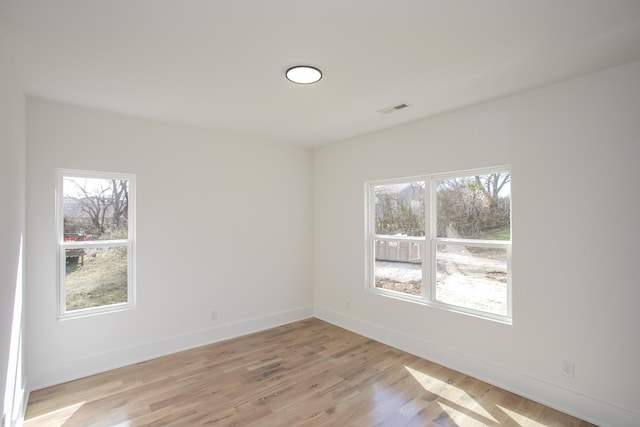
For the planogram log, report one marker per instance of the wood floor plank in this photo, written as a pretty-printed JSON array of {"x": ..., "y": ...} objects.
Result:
[{"x": 307, "y": 373}]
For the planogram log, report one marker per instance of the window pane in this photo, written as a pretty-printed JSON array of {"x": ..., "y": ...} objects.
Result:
[
  {"x": 95, "y": 208},
  {"x": 399, "y": 208},
  {"x": 472, "y": 277},
  {"x": 474, "y": 207},
  {"x": 398, "y": 266},
  {"x": 95, "y": 277}
]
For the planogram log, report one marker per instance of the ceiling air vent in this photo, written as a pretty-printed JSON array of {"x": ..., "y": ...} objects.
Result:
[{"x": 394, "y": 108}]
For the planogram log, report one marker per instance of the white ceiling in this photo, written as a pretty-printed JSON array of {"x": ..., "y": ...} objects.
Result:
[{"x": 220, "y": 64}]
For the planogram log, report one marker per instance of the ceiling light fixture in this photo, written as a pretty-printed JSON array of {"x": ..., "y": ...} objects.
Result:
[{"x": 303, "y": 74}]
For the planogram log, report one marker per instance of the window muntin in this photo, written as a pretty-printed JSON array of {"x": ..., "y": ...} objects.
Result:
[
  {"x": 465, "y": 263},
  {"x": 95, "y": 242}
]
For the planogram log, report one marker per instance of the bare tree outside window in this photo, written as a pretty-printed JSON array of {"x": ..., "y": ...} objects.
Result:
[
  {"x": 477, "y": 207},
  {"x": 400, "y": 208},
  {"x": 97, "y": 208}
]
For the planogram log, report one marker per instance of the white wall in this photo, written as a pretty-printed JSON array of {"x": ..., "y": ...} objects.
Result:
[
  {"x": 574, "y": 150},
  {"x": 12, "y": 226},
  {"x": 223, "y": 223}
]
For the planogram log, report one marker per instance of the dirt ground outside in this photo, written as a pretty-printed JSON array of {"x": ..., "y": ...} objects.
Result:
[{"x": 473, "y": 278}]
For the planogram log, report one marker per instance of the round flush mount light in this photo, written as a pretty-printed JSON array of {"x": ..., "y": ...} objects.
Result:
[{"x": 303, "y": 74}]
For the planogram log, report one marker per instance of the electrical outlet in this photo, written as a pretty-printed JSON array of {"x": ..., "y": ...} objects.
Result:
[
  {"x": 347, "y": 305},
  {"x": 214, "y": 314},
  {"x": 568, "y": 369}
]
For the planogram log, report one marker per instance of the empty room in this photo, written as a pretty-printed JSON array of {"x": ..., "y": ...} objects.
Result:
[{"x": 344, "y": 213}]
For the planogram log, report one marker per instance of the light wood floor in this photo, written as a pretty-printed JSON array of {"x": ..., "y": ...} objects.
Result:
[{"x": 306, "y": 373}]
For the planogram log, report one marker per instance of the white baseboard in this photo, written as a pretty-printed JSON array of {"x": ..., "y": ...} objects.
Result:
[
  {"x": 579, "y": 405},
  {"x": 44, "y": 376}
]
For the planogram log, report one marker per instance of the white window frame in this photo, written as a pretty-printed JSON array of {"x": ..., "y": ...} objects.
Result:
[
  {"x": 429, "y": 244},
  {"x": 63, "y": 245}
]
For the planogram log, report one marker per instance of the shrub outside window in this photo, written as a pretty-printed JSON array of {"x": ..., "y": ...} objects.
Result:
[
  {"x": 443, "y": 240},
  {"x": 95, "y": 216}
]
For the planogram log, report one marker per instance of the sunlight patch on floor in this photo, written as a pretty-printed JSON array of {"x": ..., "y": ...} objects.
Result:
[
  {"x": 449, "y": 392},
  {"x": 56, "y": 418},
  {"x": 468, "y": 418},
  {"x": 521, "y": 419}
]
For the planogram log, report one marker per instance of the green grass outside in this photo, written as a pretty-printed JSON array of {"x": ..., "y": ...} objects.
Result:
[
  {"x": 504, "y": 234},
  {"x": 102, "y": 280}
]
